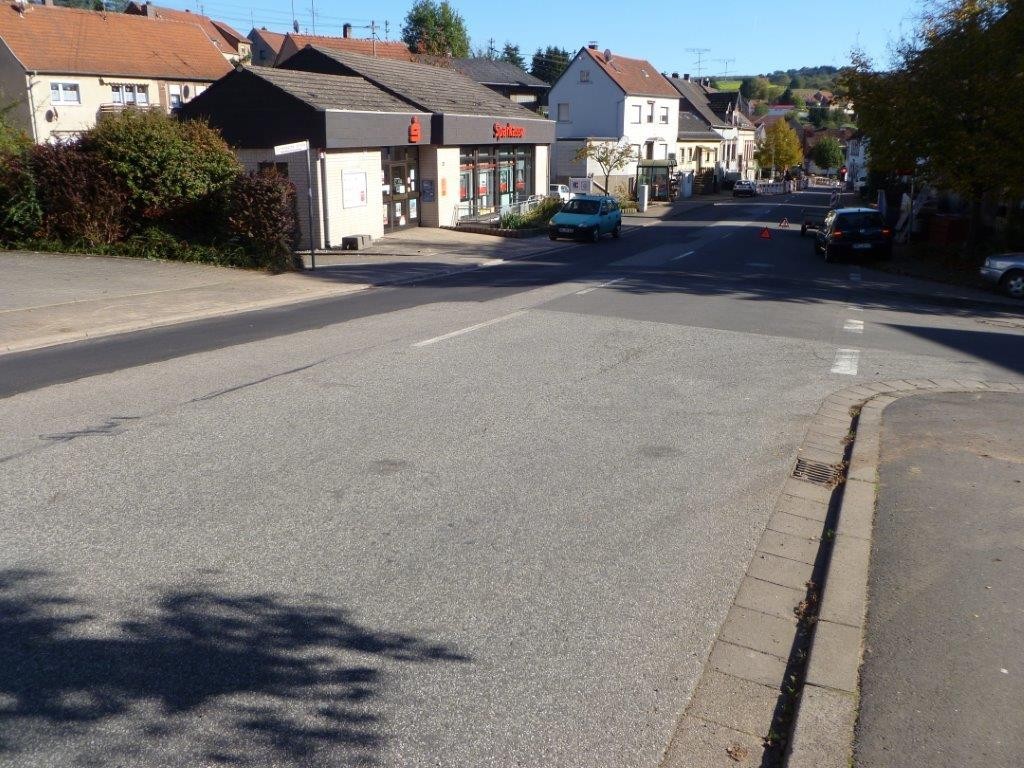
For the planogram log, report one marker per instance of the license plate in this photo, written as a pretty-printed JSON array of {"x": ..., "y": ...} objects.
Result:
[
  {"x": 566, "y": 230},
  {"x": 861, "y": 246}
]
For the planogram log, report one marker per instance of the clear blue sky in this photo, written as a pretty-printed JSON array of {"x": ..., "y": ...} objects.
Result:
[{"x": 761, "y": 35}]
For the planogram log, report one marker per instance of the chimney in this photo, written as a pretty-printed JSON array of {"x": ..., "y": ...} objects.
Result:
[
  {"x": 593, "y": 45},
  {"x": 686, "y": 77},
  {"x": 675, "y": 75},
  {"x": 346, "y": 31}
]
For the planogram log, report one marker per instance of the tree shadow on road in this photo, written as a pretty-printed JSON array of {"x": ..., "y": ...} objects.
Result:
[{"x": 203, "y": 678}]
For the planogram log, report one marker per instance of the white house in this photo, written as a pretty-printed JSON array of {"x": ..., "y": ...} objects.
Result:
[{"x": 605, "y": 97}]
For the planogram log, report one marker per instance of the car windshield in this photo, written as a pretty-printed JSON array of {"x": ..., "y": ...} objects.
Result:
[
  {"x": 581, "y": 206},
  {"x": 860, "y": 220}
]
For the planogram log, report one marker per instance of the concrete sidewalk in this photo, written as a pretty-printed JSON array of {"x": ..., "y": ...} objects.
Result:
[
  {"x": 54, "y": 298},
  {"x": 942, "y": 682}
]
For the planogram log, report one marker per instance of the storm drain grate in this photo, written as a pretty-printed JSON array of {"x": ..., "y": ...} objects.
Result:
[{"x": 817, "y": 472}]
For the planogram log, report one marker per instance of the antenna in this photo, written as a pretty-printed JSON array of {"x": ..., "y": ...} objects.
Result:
[
  {"x": 700, "y": 59},
  {"x": 312, "y": 13},
  {"x": 726, "y": 63},
  {"x": 387, "y": 30}
]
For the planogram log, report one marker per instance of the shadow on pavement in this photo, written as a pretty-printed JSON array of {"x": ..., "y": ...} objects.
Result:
[
  {"x": 1003, "y": 349},
  {"x": 203, "y": 678}
]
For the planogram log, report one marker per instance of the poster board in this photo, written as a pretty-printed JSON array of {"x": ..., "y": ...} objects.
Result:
[{"x": 353, "y": 189}]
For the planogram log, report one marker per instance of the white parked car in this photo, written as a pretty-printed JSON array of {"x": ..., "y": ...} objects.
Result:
[{"x": 561, "y": 191}]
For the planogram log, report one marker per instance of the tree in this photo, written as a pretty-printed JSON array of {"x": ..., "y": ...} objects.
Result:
[
  {"x": 827, "y": 153},
  {"x": 940, "y": 110},
  {"x": 549, "y": 64},
  {"x": 436, "y": 29},
  {"x": 787, "y": 97},
  {"x": 510, "y": 54},
  {"x": 755, "y": 88},
  {"x": 609, "y": 155},
  {"x": 761, "y": 109},
  {"x": 780, "y": 147}
]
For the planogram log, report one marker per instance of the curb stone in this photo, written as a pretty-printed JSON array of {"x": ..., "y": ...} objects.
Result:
[{"x": 781, "y": 681}]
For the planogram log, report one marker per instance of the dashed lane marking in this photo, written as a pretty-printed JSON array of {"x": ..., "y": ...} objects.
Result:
[
  {"x": 854, "y": 326},
  {"x": 682, "y": 256},
  {"x": 470, "y": 329},
  {"x": 846, "y": 362}
]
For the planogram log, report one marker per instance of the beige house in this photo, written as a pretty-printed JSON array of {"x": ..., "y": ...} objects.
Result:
[{"x": 117, "y": 61}]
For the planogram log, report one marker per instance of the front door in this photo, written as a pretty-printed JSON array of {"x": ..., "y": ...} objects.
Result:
[{"x": 400, "y": 188}]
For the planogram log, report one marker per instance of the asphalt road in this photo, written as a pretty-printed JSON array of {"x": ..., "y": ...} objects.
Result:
[
  {"x": 943, "y": 675},
  {"x": 490, "y": 519}
]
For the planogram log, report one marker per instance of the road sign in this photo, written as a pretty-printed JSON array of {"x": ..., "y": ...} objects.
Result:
[
  {"x": 784, "y": 224},
  {"x": 287, "y": 149},
  {"x": 766, "y": 234}
]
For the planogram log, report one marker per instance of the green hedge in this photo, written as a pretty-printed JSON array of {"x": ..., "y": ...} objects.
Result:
[{"x": 142, "y": 184}]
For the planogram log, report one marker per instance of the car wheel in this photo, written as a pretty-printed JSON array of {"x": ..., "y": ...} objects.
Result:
[
  {"x": 552, "y": 237},
  {"x": 595, "y": 234},
  {"x": 617, "y": 232},
  {"x": 1013, "y": 284}
]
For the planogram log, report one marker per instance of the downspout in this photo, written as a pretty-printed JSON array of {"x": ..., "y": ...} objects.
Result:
[
  {"x": 324, "y": 216},
  {"x": 32, "y": 107}
]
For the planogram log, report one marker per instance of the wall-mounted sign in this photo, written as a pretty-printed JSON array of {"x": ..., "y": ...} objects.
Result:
[
  {"x": 509, "y": 131},
  {"x": 427, "y": 193},
  {"x": 353, "y": 189},
  {"x": 415, "y": 131}
]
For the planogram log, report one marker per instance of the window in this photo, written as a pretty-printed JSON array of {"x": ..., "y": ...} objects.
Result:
[
  {"x": 662, "y": 152},
  {"x": 663, "y": 117},
  {"x": 65, "y": 93},
  {"x": 636, "y": 109},
  {"x": 584, "y": 75},
  {"x": 650, "y": 111},
  {"x": 130, "y": 94},
  {"x": 563, "y": 112},
  {"x": 174, "y": 96}
]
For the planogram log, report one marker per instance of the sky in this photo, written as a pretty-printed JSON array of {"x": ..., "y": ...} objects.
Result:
[{"x": 743, "y": 36}]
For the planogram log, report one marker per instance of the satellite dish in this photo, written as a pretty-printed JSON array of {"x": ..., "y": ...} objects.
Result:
[
  {"x": 607, "y": 54},
  {"x": 185, "y": 91},
  {"x": 52, "y": 116}
]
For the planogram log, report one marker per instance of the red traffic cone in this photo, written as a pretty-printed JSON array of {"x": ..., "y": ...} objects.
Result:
[{"x": 766, "y": 234}]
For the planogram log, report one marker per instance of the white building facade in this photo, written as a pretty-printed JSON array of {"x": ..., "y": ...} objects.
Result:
[{"x": 604, "y": 97}]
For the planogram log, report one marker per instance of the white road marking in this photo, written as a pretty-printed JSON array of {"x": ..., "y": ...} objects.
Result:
[
  {"x": 760, "y": 264},
  {"x": 682, "y": 256},
  {"x": 854, "y": 326},
  {"x": 855, "y": 309},
  {"x": 471, "y": 328},
  {"x": 492, "y": 262},
  {"x": 725, "y": 236},
  {"x": 846, "y": 361},
  {"x": 602, "y": 285}
]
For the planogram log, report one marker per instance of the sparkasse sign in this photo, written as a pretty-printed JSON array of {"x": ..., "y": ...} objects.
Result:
[{"x": 509, "y": 131}]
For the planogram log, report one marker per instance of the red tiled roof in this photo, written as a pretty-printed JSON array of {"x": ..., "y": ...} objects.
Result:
[
  {"x": 220, "y": 34},
  {"x": 384, "y": 49},
  {"x": 636, "y": 77},
  {"x": 67, "y": 40}
]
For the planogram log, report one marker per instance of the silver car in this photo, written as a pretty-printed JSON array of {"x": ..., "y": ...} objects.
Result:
[{"x": 1007, "y": 271}]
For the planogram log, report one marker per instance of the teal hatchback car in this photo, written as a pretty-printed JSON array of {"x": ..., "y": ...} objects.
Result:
[{"x": 587, "y": 217}]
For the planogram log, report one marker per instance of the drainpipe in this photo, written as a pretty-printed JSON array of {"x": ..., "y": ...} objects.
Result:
[
  {"x": 324, "y": 215},
  {"x": 32, "y": 107}
]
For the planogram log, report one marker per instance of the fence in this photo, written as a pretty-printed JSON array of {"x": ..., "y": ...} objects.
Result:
[{"x": 463, "y": 213}]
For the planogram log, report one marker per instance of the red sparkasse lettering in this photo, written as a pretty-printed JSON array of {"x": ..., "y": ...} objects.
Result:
[{"x": 509, "y": 131}]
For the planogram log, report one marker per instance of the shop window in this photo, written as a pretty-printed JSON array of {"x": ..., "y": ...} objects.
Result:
[{"x": 563, "y": 112}]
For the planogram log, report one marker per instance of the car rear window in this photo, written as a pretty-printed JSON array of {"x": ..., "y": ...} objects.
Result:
[
  {"x": 859, "y": 221},
  {"x": 581, "y": 206}
]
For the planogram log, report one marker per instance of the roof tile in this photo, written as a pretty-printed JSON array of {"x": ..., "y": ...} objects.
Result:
[{"x": 61, "y": 40}]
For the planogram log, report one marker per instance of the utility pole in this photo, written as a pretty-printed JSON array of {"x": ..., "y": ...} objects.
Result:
[
  {"x": 700, "y": 59},
  {"x": 373, "y": 36},
  {"x": 312, "y": 13}
]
